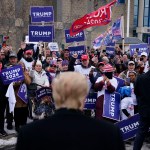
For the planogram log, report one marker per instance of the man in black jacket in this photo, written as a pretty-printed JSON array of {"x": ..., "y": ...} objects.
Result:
[
  {"x": 68, "y": 128},
  {"x": 142, "y": 92}
]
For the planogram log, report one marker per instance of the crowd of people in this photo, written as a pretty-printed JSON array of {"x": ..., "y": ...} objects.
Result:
[{"x": 40, "y": 68}]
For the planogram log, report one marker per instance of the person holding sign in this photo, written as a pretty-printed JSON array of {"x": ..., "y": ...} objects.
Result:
[
  {"x": 27, "y": 59},
  {"x": 38, "y": 75},
  {"x": 12, "y": 62},
  {"x": 69, "y": 128},
  {"x": 66, "y": 54},
  {"x": 84, "y": 68},
  {"x": 21, "y": 106},
  {"x": 105, "y": 82},
  {"x": 39, "y": 79}
]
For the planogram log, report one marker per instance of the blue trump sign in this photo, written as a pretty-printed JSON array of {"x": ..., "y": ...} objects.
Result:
[
  {"x": 42, "y": 92},
  {"x": 12, "y": 74},
  {"x": 76, "y": 38},
  {"x": 110, "y": 50},
  {"x": 90, "y": 101},
  {"x": 141, "y": 48},
  {"x": 111, "y": 107},
  {"x": 41, "y": 33},
  {"x": 77, "y": 49},
  {"x": 129, "y": 127},
  {"x": 22, "y": 93},
  {"x": 42, "y": 14}
]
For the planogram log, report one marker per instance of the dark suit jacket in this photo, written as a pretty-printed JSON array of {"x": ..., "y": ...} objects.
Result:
[
  {"x": 142, "y": 92},
  {"x": 69, "y": 130}
]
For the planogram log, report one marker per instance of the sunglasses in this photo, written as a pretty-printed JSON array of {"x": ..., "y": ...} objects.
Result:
[{"x": 53, "y": 66}]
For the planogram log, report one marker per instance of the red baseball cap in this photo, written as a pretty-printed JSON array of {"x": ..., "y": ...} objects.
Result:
[
  {"x": 29, "y": 52},
  {"x": 84, "y": 57}
]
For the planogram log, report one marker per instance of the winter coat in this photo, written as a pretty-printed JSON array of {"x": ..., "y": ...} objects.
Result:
[{"x": 39, "y": 78}]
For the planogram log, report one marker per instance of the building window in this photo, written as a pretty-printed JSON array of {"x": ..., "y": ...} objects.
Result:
[
  {"x": 146, "y": 20},
  {"x": 136, "y": 12},
  {"x": 145, "y": 37},
  {"x": 134, "y": 33}
]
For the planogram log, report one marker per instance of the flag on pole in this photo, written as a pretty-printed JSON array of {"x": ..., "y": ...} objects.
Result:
[
  {"x": 110, "y": 36},
  {"x": 117, "y": 30},
  {"x": 97, "y": 43},
  {"x": 100, "y": 17}
]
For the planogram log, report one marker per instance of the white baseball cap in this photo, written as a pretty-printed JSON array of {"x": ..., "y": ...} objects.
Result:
[
  {"x": 131, "y": 62},
  {"x": 144, "y": 54}
]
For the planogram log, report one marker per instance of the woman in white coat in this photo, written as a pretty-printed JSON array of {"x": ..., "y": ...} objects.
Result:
[{"x": 39, "y": 76}]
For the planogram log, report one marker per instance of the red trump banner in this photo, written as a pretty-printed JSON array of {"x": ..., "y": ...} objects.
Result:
[{"x": 100, "y": 17}]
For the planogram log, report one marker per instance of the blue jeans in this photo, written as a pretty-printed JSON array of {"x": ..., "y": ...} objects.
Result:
[{"x": 143, "y": 129}]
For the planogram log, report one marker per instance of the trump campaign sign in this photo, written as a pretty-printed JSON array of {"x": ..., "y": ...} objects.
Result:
[
  {"x": 12, "y": 74},
  {"x": 53, "y": 46},
  {"x": 129, "y": 127},
  {"x": 77, "y": 49},
  {"x": 90, "y": 101},
  {"x": 43, "y": 92},
  {"x": 40, "y": 33},
  {"x": 111, "y": 107},
  {"x": 110, "y": 50},
  {"x": 141, "y": 48},
  {"x": 42, "y": 14},
  {"x": 75, "y": 38},
  {"x": 22, "y": 93}
]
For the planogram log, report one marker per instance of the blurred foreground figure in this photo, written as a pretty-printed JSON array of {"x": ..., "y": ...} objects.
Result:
[
  {"x": 68, "y": 128},
  {"x": 142, "y": 92}
]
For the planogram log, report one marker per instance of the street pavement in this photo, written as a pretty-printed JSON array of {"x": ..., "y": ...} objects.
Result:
[{"x": 8, "y": 142}]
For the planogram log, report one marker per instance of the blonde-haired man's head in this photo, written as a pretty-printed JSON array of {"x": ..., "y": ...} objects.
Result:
[{"x": 69, "y": 90}]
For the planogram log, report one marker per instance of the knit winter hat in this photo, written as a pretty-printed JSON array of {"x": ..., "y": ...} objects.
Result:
[
  {"x": 65, "y": 63},
  {"x": 108, "y": 68},
  {"x": 38, "y": 63}
]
